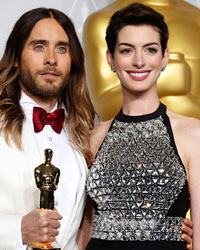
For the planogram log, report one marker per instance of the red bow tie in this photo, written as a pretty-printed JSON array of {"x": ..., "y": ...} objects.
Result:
[{"x": 41, "y": 118}]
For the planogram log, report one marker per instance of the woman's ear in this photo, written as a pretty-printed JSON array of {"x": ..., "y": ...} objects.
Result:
[
  {"x": 109, "y": 58},
  {"x": 110, "y": 61},
  {"x": 165, "y": 59}
]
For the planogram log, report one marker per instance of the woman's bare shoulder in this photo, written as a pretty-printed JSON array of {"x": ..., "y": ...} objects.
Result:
[
  {"x": 98, "y": 134},
  {"x": 182, "y": 119},
  {"x": 185, "y": 126}
]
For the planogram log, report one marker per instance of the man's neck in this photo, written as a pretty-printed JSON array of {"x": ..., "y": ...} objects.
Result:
[{"x": 46, "y": 103}]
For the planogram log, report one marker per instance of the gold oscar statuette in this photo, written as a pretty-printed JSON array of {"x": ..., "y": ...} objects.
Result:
[{"x": 46, "y": 178}]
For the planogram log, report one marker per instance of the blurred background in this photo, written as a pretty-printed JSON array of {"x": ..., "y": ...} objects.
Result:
[{"x": 78, "y": 10}]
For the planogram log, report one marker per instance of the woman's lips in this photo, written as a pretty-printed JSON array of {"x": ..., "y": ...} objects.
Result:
[{"x": 138, "y": 76}]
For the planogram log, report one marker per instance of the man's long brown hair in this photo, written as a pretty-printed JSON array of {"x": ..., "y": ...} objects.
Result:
[{"x": 75, "y": 97}]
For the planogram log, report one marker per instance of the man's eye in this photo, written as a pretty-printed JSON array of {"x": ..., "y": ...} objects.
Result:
[
  {"x": 62, "y": 49},
  {"x": 38, "y": 47}
]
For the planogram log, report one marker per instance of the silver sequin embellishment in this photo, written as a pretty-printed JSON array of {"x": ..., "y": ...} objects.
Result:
[{"x": 134, "y": 180}]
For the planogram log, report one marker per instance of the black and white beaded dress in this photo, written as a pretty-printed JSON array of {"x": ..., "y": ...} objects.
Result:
[{"x": 139, "y": 186}]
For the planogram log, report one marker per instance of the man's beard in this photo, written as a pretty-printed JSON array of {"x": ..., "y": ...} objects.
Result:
[{"x": 42, "y": 91}]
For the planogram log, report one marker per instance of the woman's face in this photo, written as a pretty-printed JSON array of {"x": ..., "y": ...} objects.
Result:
[{"x": 138, "y": 58}]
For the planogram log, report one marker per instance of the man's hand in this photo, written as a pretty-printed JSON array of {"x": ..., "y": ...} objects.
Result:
[
  {"x": 40, "y": 226},
  {"x": 187, "y": 232}
]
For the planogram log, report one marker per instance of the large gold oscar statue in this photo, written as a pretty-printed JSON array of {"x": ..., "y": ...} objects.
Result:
[{"x": 178, "y": 86}]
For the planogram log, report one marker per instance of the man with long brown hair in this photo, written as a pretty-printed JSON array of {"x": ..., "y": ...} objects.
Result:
[{"x": 42, "y": 76}]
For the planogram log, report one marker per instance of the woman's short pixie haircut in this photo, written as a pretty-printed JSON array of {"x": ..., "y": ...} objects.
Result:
[{"x": 135, "y": 14}]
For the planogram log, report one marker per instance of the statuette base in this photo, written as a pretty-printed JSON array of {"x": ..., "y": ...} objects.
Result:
[{"x": 47, "y": 246}]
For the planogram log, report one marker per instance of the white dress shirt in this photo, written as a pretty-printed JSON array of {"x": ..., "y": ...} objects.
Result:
[{"x": 63, "y": 158}]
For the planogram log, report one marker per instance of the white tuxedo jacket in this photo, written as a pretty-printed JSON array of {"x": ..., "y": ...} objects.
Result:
[{"x": 19, "y": 195}]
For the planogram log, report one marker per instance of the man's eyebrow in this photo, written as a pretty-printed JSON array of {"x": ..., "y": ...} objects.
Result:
[
  {"x": 38, "y": 41},
  {"x": 42, "y": 41},
  {"x": 66, "y": 44}
]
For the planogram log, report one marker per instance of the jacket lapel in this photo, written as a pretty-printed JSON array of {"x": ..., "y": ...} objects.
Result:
[
  {"x": 72, "y": 228},
  {"x": 33, "y": 156}
]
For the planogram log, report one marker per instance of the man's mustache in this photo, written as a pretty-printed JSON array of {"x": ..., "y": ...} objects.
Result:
[{"x": 49, "y": 70}]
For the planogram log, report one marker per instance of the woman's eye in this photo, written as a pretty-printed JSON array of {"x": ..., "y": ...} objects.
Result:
[
  {"x": 152, "y": 50},
  {"x": 125, "y": 51}
]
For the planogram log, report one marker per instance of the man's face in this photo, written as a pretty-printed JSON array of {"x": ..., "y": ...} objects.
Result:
[{"x": 45, "y": 61}]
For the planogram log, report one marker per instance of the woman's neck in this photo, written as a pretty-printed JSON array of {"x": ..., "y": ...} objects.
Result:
[
  {"x": 137, "y": 108},
  {"x": 140, "y": 103}
]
